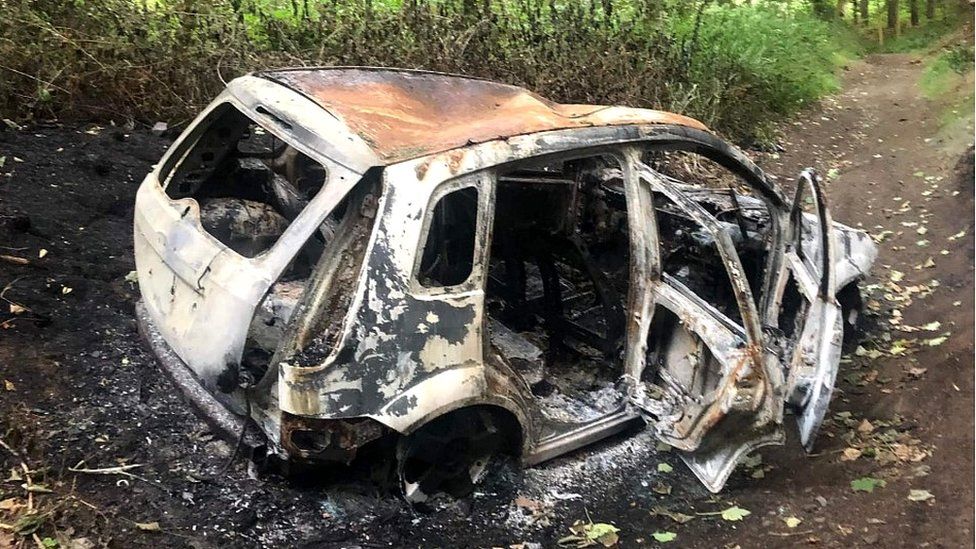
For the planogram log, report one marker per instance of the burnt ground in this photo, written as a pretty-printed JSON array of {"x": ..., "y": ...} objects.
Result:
[{"x": 79, "y": 390}]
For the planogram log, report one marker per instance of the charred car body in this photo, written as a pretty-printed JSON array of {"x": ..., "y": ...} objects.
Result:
[{"x": 349, "y": 255}]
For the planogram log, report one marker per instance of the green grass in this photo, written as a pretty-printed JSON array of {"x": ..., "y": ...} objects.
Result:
[{"x": 946, "y": 72}]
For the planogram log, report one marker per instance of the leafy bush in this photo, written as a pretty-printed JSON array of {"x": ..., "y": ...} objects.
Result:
[
  {"x": 734, "y": 67},
  {"x": 945, "y": 73},
  {"x": 960, "y": 58},
  {"x": 767, "y": 65}
]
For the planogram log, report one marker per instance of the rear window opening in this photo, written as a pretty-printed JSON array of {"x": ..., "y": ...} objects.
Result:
[
  {"x": 250, "y": 186},
  {"x": 448, "y": 253},
  {"x": 558, "y": 280}
]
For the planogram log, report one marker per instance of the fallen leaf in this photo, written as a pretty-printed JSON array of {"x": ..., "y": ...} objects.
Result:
[
  {"x": 10, "y": 504},
  {"x": 865, "y": 427},
  {"x": 148, "y": 526},
  {"x": 936, "y": 341},
  {"x": 526, "y": 503},
  {"x": 932, "y": 326},
  {"x": 9, "y": 385},
  {"x": 919, "y": 495},
  {"x": 899, "y": 347},
  {"x": 664, "y": 468},
  {"x": 65, "y": 290},
  {"x": 680, "y": 518},
  {"x": 792, "y": 522},
  {"x": 909, "y": 452},
  {"x": 664, "y": 537},
  {"x": 850, "y": 454},
  {"x": 661, "y": 488},
  {"x": 42, "y": 253},
  {"x": 605, "y": 534},
  {"x": 916, "y": 371},
  {"x": 16, "y": 309},
  {"x": 866, "y": 484},
  {"x": 731, "y": 514},
  {"x": 735, "y": 513}
]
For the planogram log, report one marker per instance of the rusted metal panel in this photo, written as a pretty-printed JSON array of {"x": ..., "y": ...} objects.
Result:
[{"x": 405, "y": 114}]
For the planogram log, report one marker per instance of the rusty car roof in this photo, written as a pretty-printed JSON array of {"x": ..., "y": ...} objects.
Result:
[{"x": 403, "y": 114}]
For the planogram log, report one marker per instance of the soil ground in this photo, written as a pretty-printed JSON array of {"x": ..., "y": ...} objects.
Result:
[{"x": 79, "y": 390}]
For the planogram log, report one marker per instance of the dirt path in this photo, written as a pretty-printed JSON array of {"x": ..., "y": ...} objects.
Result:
[
  {"x": 895, "y": 172},
  {"x": 76, "y": 384}
]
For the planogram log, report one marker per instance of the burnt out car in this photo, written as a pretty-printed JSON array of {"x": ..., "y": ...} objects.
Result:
[{"x": 452, "y": 269}]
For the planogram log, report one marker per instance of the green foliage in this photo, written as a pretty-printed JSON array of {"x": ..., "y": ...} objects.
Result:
[
  {"x": 664, "y": 537},
  {"x": 735, "y": 67},
  {"x": 760, "y": 65},
  {"x": 866, "y": 484},
  {"x": 945, "y": 72},
  {"x": 918, "y": 38},
  {"x": 960, "y": 58},
  {"x": 735, "y": 513}
]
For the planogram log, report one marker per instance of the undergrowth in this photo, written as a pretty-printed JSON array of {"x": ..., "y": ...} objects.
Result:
[
  {"x": 948, "y": 81},
  {"x": 916, "y": 39},
  {"x": 737, "y": 68}
]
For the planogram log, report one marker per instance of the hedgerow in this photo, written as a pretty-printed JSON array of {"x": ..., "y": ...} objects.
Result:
[{"x": 734, "y": 67}]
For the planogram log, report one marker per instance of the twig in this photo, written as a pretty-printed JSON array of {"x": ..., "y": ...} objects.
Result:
[
  {"x": 7, "y": 447},
  {"x": 106, "y": 470},
  {"x": 14, "y": 259},
  {"x": 121, "y": 470},
  {"x": 8, "y": 286},
  {"x": 787, "y": 534},
  {"x": 42, "y": 81}
]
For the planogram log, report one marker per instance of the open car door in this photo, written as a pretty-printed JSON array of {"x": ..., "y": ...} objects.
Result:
[
  {"x": 816, "y": 328},
  {"x": 712, "y": 382}
]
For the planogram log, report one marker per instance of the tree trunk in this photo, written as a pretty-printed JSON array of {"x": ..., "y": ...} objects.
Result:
[
  {"x": 913, "y": 10},
  {"x": 930, "y": 9},
  {"x": 864, "y": 11},
  {"x": 840, "y": 8},
  {"x": 821, "y": 8},
  {"x": 892, "y": 14}
]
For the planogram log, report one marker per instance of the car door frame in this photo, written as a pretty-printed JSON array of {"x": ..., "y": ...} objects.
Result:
[
  {"x": 816, "y": 354},
  {"x": 742, "y": 348}
]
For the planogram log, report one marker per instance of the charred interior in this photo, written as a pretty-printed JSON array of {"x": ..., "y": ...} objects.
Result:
[
  {"x": 250, "y": 185},
  {"x": 558, "y": 278}
]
